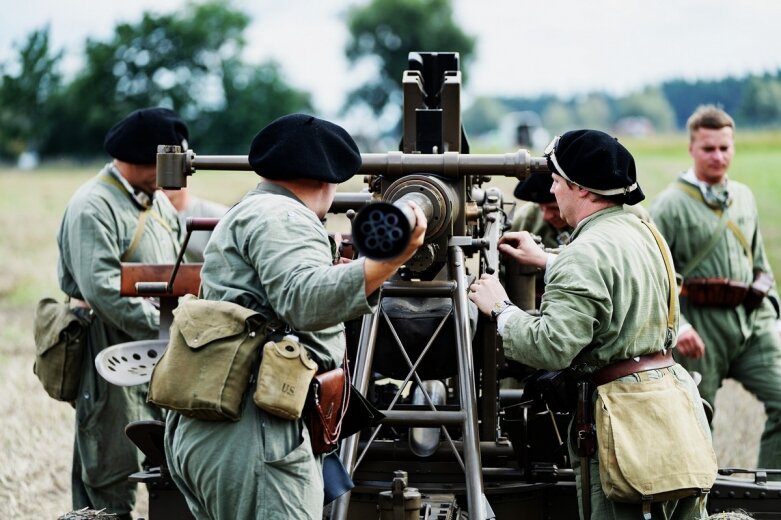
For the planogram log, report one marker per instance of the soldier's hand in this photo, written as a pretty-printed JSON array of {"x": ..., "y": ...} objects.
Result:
[
  {"x": 521, "y": 247},
  {"x": 690, "y": 344},
  {"x": 486, "y": 291},
  {"x": 418, "y": 234}
]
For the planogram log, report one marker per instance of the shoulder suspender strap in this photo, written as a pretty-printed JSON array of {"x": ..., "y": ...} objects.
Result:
[
  {"x": 109, "y": 179},
  {"x": 137, "y": 235},
  {"x": 668, "y": 264},
  {"x": 161, "y": 220},
  {"x": 742, "y": 239},
  {"x": 690, "y": 190},
  {"x": 716, "y": 236},
  {"x": 705, "y": 251}
]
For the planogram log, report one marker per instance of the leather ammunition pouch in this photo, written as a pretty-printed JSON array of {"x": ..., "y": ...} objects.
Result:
[
  {"x": 60, "y": 343},
  {"x": 335, "y": 410},
  {"x": 714, "y": 292},
  {"x": 726, "y": 293},
  {"x": 206, "y": 367},
  {"x": 327, "y": 403}
]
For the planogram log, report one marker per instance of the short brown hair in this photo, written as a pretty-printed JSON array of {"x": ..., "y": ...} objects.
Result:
[{"x": 708, "y": 116}]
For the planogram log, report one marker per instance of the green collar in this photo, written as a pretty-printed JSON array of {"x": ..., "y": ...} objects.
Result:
[
  {"x": 274, "y": 189},
  {"x": 586, "y": 222}
]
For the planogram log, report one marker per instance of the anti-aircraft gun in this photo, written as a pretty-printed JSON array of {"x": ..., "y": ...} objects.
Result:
[
  {"x": 421, "y": 339},
  {"x": 425, "y": 336},
  {"x": 452, "y": 443}
]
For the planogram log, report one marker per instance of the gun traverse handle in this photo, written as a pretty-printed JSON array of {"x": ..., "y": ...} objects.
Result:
[
  {"x": 201, "y": 223},
  {"x": 382, "y": 230}
]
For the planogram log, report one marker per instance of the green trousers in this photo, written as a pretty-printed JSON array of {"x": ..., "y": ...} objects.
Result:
[
  {"x": 259, "y": 467},
  {"x": 103, "y": 456},
  {"x": 746, "y": 348}
]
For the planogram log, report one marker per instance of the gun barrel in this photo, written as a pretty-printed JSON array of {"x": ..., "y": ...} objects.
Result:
[
  {"x": 382, "y": 229},
  {"x": 396, "y": 164},
  {"x": 343, "y": 202},
  {"x": 174, "y": 165},
  {"x": 221, "y": 162},
  {"x": 453, "y": 164}
]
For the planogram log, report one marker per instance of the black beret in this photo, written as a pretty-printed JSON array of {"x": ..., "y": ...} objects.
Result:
[
  {"x": 300, "y": 146},
  {"x": 597, "y": 162},
  {"x": 135, "y": 138},
  {"x": 536, "y": 188}
]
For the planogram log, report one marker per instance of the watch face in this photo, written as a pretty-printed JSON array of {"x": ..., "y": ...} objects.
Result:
[{"x": 499, "y": 307}]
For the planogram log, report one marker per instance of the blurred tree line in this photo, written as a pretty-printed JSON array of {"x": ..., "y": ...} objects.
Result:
[
  {"x": 753, "y": 101},
  {"x": 191, "y": 61}
]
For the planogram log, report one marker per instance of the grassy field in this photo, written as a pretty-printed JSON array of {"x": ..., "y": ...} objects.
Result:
[{"x": 37, "y": 433}]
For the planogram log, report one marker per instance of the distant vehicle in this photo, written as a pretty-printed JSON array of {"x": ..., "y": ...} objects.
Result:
[{"x": 524, "y": 129}]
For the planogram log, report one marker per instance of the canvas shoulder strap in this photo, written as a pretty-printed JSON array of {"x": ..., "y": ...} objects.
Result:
[
  {"x": 142, "y": 218},
  {"x": 672, "y": 302},
  {"x": 136, "y": 236},
  {"x": 723, "y": 224}
]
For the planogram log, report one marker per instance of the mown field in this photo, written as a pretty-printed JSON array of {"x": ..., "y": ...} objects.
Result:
[{"x": 37, "y": 432}]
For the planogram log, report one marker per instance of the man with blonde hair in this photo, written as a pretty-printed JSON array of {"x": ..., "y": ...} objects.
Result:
[{"x": 729, "y": 302}]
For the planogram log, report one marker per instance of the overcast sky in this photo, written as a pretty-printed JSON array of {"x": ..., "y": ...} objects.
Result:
[{"x": 524, "y": 47}]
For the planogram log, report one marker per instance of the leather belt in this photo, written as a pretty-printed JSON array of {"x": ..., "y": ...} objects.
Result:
[{"x": 661, "y": 359}]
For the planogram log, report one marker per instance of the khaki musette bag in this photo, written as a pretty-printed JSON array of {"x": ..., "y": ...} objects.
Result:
[
  {"x": 60, "y": 341},
  {"x": 651, "y": 445},
  {"x": 206, "y": 367}
]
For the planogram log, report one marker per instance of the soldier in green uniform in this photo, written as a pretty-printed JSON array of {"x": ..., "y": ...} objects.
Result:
[
  {"x": 190, "y": 206},
  {"x": 712, "y": 227},
  {"x": 541, "y": 217},
  {"x": 608, "y": 313},
  {"x": 271, "y": 253},
  {"x": 115, "y": 217}
]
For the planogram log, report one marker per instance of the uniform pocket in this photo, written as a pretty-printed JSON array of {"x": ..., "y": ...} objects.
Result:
[
  {"x": 293, "y": 481},
  {"x": 281, "y": 437}
]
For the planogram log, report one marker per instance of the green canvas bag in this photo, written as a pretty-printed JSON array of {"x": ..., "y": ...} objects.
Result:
[
  {"x": 60, "y": 341},
  {"x": 207, "y": 364}
]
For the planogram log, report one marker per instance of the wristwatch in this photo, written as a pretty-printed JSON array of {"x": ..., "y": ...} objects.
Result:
[{"x": 500, "y": 307}]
